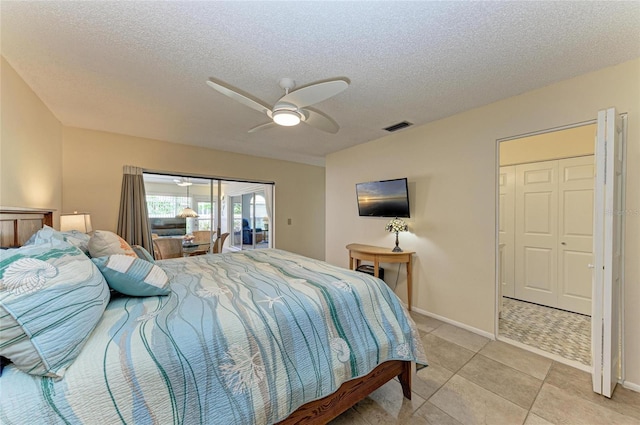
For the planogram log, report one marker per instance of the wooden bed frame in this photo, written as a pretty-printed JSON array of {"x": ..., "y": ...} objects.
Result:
[
  {"x": 323, "y": 410},
  {"x": 18, "y": 224}
]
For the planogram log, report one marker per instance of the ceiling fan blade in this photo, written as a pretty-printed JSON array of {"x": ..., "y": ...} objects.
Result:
[
  {"x": 236, "y": 95},
  {"x": 320, "y": 121},
  {"x": 264, "y": 126},
  {"x": 315, "y": 93},
  {"x": 183, "y": 181}
]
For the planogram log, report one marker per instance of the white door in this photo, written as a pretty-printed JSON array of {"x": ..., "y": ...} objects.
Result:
[
  {"x": 536, "y": 238},
  {"x": 575, "y": 233},
  {"x": 608, "y": 248},
  {"x": 506, "y": 229}
]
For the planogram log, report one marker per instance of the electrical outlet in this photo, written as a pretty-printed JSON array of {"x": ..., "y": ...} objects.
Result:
[{"x": 289, "y": 221}]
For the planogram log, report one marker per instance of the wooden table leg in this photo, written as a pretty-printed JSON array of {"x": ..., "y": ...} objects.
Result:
[
  {"x": 409, "y": 286},
  {"x": 376, "y": 265}
]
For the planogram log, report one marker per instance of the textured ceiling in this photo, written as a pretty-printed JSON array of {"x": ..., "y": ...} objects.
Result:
[{"x": 139, "y": 68}]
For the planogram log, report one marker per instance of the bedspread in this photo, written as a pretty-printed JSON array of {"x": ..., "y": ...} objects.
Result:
[{"x": 244, "y": 338}]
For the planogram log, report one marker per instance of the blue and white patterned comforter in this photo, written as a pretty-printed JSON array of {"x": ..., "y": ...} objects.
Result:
[{"x": 244, "y": 338}]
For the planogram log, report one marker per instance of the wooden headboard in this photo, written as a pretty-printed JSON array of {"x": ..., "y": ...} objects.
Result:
[{"x": 18, "y": 224}]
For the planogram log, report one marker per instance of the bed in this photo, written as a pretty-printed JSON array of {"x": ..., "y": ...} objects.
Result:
[{"x": 254, "y": 337}]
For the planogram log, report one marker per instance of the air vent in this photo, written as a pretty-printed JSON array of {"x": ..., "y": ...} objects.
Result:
[{"x": 398, "y": 126}]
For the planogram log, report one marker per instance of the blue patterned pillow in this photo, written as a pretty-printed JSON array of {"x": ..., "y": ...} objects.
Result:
[
  {"x": 44, "y": 235},
  {"x": 133, "y": 276},
  {"x": 75, "y": 238},
  {"x": 51, "y": 298}
]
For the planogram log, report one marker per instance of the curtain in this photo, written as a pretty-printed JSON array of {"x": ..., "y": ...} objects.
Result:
[{"x": 133, "y": 220}]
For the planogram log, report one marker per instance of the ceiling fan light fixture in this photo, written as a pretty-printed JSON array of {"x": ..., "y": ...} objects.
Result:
[
  {"x": 183, "y": 181},
  {"x": 290, "y": 109},
  {"x": 286, "y": 118}
]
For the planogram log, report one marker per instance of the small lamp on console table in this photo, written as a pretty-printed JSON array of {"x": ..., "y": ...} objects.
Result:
[
  {"x": 396, "y": 225},
  {"x": 76, "y": 221}
]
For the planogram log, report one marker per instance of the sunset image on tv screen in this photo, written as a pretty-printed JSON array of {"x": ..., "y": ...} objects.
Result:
[{"x": 383, "y": 199}]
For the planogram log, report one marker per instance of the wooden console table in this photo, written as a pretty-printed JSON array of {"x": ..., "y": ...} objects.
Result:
[{"x": 379, "y": 255}]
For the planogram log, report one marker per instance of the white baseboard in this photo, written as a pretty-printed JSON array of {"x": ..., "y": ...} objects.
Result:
[
  {"x": 454, "y": 323},
  {"x": 631, "y": 386}
]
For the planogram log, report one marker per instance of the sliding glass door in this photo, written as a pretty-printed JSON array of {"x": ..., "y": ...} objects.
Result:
[{"x": 200, "y": 210}]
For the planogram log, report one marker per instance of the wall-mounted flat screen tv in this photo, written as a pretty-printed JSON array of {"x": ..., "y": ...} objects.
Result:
[{"x": 386, "y": 198}]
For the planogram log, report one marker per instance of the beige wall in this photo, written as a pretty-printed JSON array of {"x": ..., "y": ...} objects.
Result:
[
  {"x": 567, "y": 143},
  {"x": 30, "y": 147},
  {"x": 46, "y": 165},
  {"x": 92, "y": 176},
  {"x": 451, "y": 165}
]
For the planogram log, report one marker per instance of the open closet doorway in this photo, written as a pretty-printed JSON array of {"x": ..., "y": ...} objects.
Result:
[
  {"x": 545, "y": 225},
  {"x": 560, "y": 262}
]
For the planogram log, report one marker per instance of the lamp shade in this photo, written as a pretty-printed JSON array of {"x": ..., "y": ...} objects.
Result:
[
  {"x": 76, "y": 221},
  {"x": 188, "y": 213},
  {"x": 396, "y": 225}
]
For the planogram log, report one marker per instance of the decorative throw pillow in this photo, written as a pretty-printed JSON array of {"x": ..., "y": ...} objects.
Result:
[
  {"x": 133, "y": 276},
  {"x": 46, "y": 234},
  {"x": 51, "y": 298},
  {"x": 142, "y": 253},
  {"x": 104, "y": 243},
  {"x": 77, "y": 239}
]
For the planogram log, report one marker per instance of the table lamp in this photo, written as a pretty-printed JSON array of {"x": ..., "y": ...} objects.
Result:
[
  {"x": 76, "y": 221},
  {"x": 396, "y": 225}
]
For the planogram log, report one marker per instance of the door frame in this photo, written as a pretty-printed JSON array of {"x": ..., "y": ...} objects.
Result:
[{"x": 498, "y": 283}]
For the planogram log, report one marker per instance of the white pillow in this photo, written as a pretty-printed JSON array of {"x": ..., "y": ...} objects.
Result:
[{"x": 104, "y": 243}]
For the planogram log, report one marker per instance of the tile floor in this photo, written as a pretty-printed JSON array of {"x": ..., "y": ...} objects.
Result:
[
  {"x": 473, "y": 380},
  {"x": 555, "y": 331}
]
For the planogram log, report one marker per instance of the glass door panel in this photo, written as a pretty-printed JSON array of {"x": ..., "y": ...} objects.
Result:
[
  {"x": 205, "y": 208},
  {"x": 237, "y": 222}
]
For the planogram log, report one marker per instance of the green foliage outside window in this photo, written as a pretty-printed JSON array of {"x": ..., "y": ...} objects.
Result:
[{"x": 165, "y": 206}]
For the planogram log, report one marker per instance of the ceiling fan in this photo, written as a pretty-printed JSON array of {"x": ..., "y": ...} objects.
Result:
[
  {"x": 183, "y": 181},
  {"x": 292, "y": 108}
]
